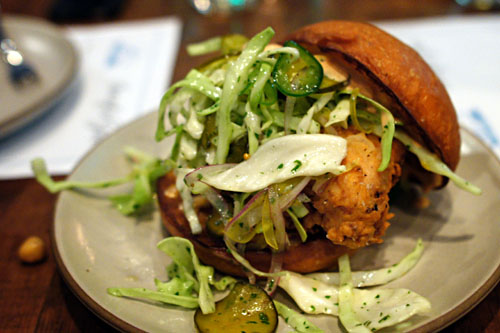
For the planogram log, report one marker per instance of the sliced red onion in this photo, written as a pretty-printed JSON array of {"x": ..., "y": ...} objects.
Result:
[
  {"x": 286, "y": 200},
  {"x": 251, "y": 276},
  {"x": 218, "y": 202},
  {"x": 243, "y": 262},
  {"x": 250, "y": 215},
  {"x": 276, "y": 265},
  {"x": 212, "y": 195},
  {"x": 278, "y": 219}
]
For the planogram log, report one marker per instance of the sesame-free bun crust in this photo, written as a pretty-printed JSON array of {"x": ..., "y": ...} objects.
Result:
[
  {"x": 312, "y": 256},
  {"x": 396, "y": 76}
]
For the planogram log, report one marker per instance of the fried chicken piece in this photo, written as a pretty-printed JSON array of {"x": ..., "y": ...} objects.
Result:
[{"x": 353, "y": 208}]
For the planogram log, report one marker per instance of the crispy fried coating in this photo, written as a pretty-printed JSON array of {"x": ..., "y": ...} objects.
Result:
[{"x": 353, "y": 208}]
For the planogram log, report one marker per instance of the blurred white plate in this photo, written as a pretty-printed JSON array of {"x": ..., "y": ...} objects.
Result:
[
  {"x": 96, "y": 247},
  {"x": 54, "y": 59}
]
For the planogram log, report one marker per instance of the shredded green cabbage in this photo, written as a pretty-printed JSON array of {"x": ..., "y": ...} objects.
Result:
[
  {"x": 252, "y": 121},
  {"x": 194, "y": 80},
  {"x": 376, "y": 277},
  {"x": 359, "y": 309},
  {"x": 257, "y": 91},
  {"x": 187, "y": 200},
  {"x": 382, "y": 119},
  {"x": 188, "y": 302},
  {"x": 300, "y": 229},
  {"x": 265, "y": 56},
  {"x": 207, "y": 46},
  {"x": 195, "y": 125},
  {"x": 146, "y": 170},
  {"x": 347, "y": 315},
  {"x": 432, "y": 163},
  {"x": 233, "y": 44},
  {"x": 236, "y": 77},
  {"x": 388, "y": 127},
  {"x": 305, "y": 123},
  {"x": 299, "y": 323},
  {"x": 339, "y": 114},
  {"x": 42, "y": 176},
  {"x": 189, "y": 284},
  {"x": 228, "y": 44},
  {"x": 231, "y": 248}
]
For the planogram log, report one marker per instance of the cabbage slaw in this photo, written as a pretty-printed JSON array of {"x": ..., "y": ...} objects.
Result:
[
  {"x": 226, "y": 115},
  {"x": 228, "y": 111},
  {"x": 190, "y": 284}
]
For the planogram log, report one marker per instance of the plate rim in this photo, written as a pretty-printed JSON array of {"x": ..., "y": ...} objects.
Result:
[
  {"x": 24, "y": 116},
  {"x": 435, "y": 324}
]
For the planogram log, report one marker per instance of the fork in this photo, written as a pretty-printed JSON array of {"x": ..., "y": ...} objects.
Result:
[{"x": 20, "y": 72}]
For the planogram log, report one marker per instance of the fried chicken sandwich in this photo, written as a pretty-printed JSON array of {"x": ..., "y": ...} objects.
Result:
[{"x": 286, "y": 153}]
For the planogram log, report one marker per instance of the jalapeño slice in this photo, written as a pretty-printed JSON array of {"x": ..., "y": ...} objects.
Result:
[{"x": 299, "y": 77}]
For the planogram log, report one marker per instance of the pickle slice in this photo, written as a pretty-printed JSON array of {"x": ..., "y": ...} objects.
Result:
[{"x": 247, "y": 309}]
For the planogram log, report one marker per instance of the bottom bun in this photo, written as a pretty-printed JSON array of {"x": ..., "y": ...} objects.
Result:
[{"x": 311, "y": 256}]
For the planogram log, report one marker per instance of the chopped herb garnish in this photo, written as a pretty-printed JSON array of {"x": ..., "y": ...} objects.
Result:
[
  {"x": 298, "y": 164},
  {"x": 271, "y": 284},
  {"x": 264, "y": 318},
  {"x": 384, "y": 319}
]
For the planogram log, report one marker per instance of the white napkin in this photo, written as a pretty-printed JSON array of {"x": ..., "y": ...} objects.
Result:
[{"x": 124, "y": 70}]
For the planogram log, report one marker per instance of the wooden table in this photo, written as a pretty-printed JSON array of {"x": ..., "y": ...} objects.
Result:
[{"x": 34, "y": 297}]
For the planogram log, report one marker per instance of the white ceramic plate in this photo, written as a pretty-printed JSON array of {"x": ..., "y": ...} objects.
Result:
[
  {"x": 97, "y": 248},
  {"x": 55, "y": 61}
]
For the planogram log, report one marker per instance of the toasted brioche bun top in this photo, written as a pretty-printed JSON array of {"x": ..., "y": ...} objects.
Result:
[{"x": 393, "y": 74}]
